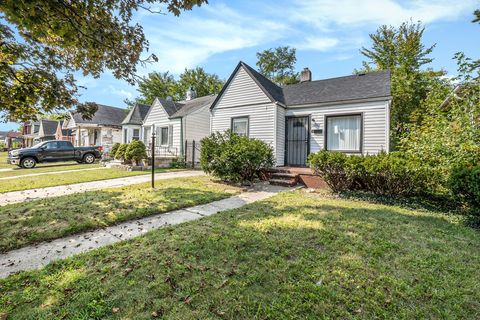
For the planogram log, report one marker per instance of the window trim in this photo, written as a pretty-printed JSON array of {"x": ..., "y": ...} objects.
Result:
[
  {"x": 133, "y": 134},
  {"x": 339, "y": 115},
  {"x": 161, "y": 136},
  {"x": 238, "y": 118}
]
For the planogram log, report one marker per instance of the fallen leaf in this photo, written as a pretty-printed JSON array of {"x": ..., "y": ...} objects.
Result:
[{"x": 115, "y": 310}]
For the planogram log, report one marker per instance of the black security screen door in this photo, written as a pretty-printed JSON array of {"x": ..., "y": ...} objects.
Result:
[{"x": 297, "y": 141}]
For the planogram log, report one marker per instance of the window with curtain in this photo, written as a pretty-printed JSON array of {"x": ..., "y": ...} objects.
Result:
[
  {"x": 125, "y": 135},
  {"x": 147, "y": 135},
  {"x": 164, "y": 136},
  {"x": 344, "y": 132},
  {"x": 240, "y": 126},
  {"x": 136, "y": 134}
]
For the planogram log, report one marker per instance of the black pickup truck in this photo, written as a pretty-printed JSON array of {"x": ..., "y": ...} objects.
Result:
[{"x": 53, "y": 151}]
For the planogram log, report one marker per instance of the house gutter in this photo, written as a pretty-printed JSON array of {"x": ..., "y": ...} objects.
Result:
[{"x": 181, "y": 137}]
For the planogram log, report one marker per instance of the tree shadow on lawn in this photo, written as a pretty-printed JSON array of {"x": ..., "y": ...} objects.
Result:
[
  {"x": 52, "y": 218},
  {"x": 283, "y": 258}
]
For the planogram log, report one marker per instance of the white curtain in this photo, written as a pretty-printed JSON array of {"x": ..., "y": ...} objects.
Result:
[{"x": 343, "y": 133}]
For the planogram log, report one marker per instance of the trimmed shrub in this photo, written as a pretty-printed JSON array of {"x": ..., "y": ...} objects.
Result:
[
  {"x": 332, "y": 167},
  {"x": 135, "y": 151},
  {"x": 384, "y": 174},
  {"x": 120, "y": 154},
  {"x": 464, "y": 184},
  {"x": 114, "y": 150},
  {"x": 235, "y": 158},
  {"x": 178, "y": 163}
]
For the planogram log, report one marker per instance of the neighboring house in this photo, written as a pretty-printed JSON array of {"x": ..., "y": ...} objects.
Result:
[
  {"x": 10, "y": 140},
  {"x": 348, "y": 114},
  {"x": 47, "y": 130},
  {"x": 103, "y": 129},
  {"x": 63, "y": 134},
  {"x": 132, "y": 124},
  {"x": 30, "y": 133},
  {"x": 176, "y": 123}
]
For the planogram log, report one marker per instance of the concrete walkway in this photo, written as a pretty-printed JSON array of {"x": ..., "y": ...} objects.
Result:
[
  {"x": 33, "y": 257},
  {"x": 40, "y": 193},
  {"x": 53, "y": 172}
]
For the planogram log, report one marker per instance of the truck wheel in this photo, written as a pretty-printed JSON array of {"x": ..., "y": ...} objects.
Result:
[
  {"x": 89, "y": 158},
  {"x": 28, "y": 163}
]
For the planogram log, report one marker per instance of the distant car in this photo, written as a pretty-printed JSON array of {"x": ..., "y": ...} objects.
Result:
[{"x": 53, "y": 151}]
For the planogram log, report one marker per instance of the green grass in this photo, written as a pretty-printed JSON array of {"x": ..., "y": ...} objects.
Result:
[
  {"x": 294, "y": 256},
  {"x": 47, "y": 168},
  {"x": 44, "y": 181},
  {"x": 3, "y": 160},
  {"x": 30, "y": 222}
]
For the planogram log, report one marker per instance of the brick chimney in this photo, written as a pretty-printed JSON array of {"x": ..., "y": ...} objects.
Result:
[
  {"x": 191, "y": 94},
  {"x": 305, "y": 75}
]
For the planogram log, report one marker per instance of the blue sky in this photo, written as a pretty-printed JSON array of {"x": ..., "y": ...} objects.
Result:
[{"x": 327, "y": 34}]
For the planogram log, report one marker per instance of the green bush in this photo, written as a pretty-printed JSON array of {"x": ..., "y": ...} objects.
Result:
[
  {"x": 135, "y": 151},
  {"x": 114, "y": 150},
  {"x": 120, "y": 154},
  {"x": 384, "y": 174},
  {"x": 235, "y": 158},
  {"x": 178, "y": 163},
  {"x": 332, "y": 167}
]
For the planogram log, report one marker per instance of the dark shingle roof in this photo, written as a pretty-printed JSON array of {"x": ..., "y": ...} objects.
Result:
[
  {"x": 105, "y": 115},
  {"x": 49, "y": 127},
  {"x": 137, "y": 114},
  {"x": 170, "y": 106},
  {"x": 190, "y": 106},
  {"x": 355, "y": 87}
]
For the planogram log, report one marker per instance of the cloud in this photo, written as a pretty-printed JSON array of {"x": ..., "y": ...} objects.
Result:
[
  {"x": 120, "y": 92},
  {"x": 326, "y": 14},
  {"x": 216, "y": 29},
  {"x": 317, "y": 43}
]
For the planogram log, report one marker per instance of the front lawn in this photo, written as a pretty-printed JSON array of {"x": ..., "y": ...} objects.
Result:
[
  {"x": 44, "y": 181},
  {"x": 50, "y": 218},
  {"x": 3, "y": 160},
  {"x": 52, "y": 167},
  {"x": 294, "y": 256}
]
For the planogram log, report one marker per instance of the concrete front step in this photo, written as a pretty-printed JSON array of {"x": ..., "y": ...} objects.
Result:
[
  {"x": 280, "y": 175},
  {"x": 283, "y": 182}
]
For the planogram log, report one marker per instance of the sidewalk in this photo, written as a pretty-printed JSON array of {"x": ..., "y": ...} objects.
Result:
[
  {"x": 40, "y": 193},
  {"x": 33, "y": 257}
]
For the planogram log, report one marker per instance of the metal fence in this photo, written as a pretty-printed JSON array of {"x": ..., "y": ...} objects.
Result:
[
  {"x": 162, "y": 151},
  {"x": 192, "y": 153}
]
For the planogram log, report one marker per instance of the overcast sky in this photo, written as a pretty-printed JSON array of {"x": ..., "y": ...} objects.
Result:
[{"x": 327, "y": 34}]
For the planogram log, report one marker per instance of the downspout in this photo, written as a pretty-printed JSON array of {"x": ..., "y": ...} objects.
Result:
[{"x": 181, "y": 137}]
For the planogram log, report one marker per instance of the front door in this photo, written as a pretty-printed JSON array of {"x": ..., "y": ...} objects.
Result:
[{"x": 297, "y": 141}]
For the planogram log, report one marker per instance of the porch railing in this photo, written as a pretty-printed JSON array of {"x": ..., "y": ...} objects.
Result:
[{"x": 163, "y": 151}]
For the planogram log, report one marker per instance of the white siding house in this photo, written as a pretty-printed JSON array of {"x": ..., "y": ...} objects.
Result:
[
  {"x": 132, "y": 124},
  {"x": 348, "y": 114}
]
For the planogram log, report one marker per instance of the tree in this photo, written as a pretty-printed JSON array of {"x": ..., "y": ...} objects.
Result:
[
  {"x": 203, "y": 82},
  {"x": 278, "y": 65},
  {"x": 401, "y": 51},
  {"x": 136, "y": 151},
  {"x": 156, "y": 84},
  {"x": 51, "y": 40},
  {"x": 477, "y": 16}
]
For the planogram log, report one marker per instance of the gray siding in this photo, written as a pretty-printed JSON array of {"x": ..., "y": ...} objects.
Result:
[
  {"x": 197, "y": 124},
  {"x": 242, "y": 90},
  {"x": 159, "y": 118},
  {"x": 261, "y": 120},
  {"x": 375, "y": 131},
  {"x": 280, "y": 150}
]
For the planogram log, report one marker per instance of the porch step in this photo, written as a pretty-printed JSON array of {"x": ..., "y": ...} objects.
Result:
[
  {"x": 283, "y": 182},
  {"x": 284, "y": 175}
]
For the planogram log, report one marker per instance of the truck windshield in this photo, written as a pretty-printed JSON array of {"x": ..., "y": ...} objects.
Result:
[{"x": 38, "y": 145}]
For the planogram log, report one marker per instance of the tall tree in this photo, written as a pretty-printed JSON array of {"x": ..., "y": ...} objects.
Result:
[
  {"x": 278, "y": 64},
  {"x": 42, "y": 43},
  {"x": 401, "y": 51},
  {"x": 156, "y": 84},
  {"x": 203, "y": 82}
]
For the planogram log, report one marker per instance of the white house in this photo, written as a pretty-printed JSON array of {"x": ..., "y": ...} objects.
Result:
[
  {"x": 348, "y": 114},
  {"x": 176, "y": 123},
  {"x": 103, "y": 129},
  {"x": 132, "y": 124}
]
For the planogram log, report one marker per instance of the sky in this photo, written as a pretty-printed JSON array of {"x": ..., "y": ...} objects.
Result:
[{"x": 327, "y": 34}]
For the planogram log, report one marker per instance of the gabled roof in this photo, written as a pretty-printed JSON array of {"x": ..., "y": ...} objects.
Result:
[
  {"x": 137, "y": 114},
  {"x": 170, "y": 106},
  {"x": 190, "y": 106},
  {"x": 105, "y": 115},
  {"x": 355, "y": 87},
  {"x": 65, "y": 132},
  {"x": 49, "y": 127}
]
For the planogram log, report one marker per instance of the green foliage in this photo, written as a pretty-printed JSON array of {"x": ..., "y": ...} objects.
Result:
[
  {"x": 235, "y": 158},
  {"x": 136, "y": 151},
  {"x": 278, "y": 65},
  {"x": 162, "y": 85},
  {"x": 382, "y": 174},
  {"x": 401, "y": 51},
  {"x": 464, "y": 183},
  {"x": 178, "y": 163},
  {"x": 114, "y": 149},
  {"x": 45, "y": 42},
  {"x": 120, "y": 154}
]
